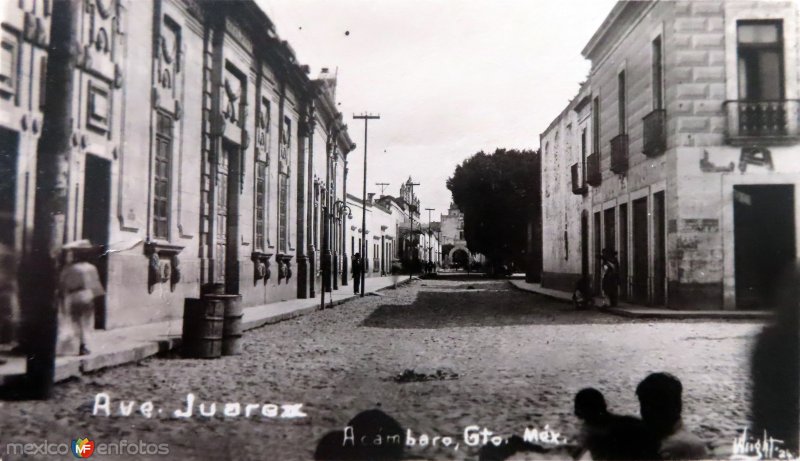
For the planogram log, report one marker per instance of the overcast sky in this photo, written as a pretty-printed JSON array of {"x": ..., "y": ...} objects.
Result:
[{"x": 448, "y": 77}]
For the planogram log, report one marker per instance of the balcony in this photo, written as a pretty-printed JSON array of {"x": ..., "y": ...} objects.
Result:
[
  {"x": 619, "y": 154},
  {"x": 655, "y": 133},
  {"x": 578, "y": 181},
  {"x": 771, "y": 123},
  {"x": 593, "y": 176}
]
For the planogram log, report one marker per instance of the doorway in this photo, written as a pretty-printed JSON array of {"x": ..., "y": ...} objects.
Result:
[
  {"x": 640, "y": 251},
  {"x": 9, "y": 147},
  {"x": 597, "y": 248},
  {"x": 584, "y": 244},
  {"x": 97, "y": 221},
  {"x": 231, "y": 190},
  {"x": 764, "y": 241},
  {"x": 659, "y": 250},
  {"x": 623, "y": 252}
]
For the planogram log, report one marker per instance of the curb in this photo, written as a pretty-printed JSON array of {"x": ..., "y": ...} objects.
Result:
[{"x": 662, "y": 313}]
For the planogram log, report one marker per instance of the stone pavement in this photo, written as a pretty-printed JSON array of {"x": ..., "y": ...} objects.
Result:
[
  {"x": 635, "y": 311},
  {"x": 438, "y": 355},
  {"x": 131, "y": 344}
]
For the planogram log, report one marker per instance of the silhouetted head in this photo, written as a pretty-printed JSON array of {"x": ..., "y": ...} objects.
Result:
[
  {"x": 660, "y": 402},
  {"x": 357, "y": 255},
  {"x": 590, "y": 405},
  {"x": 371, "y": 425}
]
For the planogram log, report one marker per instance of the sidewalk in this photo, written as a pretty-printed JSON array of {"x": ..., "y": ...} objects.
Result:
[
  {"x": 130, "y": 344},
  {"x": 643, "y": 312}
]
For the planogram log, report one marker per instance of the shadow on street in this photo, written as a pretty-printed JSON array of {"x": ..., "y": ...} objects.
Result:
[{"x": 479, "y": 304}]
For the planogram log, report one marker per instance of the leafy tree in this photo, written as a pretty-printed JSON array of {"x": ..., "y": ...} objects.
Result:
[{"x": 499, "y": 194}]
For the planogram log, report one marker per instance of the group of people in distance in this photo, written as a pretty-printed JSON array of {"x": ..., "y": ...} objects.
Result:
[
  {"x": 583, "y": 296},
  {"x": 659, "y": 434}
]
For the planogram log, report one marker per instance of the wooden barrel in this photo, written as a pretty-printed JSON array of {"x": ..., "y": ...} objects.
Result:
[
  {"x": 232, "y": 327},
  {"x": 202, "y": 328}
]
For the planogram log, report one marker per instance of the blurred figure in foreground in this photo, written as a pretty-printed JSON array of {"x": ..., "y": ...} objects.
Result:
[
  {"x": 370, "y": 435},
  {"x": 661, "y": 404},
  {"x": 605, "y": 435},
  {"x": 775, "y": 367}
]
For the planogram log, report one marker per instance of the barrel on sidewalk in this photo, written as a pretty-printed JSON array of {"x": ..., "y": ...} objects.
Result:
[
  {"x": 232, "y": 326},
  {"x": 202, "y": 328},
  {"x": 212, "y": 326}
]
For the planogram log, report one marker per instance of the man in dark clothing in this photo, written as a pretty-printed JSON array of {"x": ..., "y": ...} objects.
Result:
[
  {"x": 610, "y": 282},
  {"x": 356, "y": 270}
]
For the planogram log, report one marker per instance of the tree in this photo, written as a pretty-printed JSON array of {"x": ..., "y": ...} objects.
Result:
[{"x": 499, "y": 194}]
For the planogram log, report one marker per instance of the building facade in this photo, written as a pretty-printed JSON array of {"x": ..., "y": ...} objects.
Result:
[
  {"x": 202, "y": 153},
  {"x": 454, "y": 243},
  {"x": 680, "y": 153},
  {"x": 390, "y": 236}
]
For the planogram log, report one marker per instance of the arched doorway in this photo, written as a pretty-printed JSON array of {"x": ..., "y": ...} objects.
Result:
[{"x": 460, "y": 258}]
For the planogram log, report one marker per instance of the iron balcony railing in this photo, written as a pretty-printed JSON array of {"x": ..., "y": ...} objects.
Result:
[
  {"x": 619, "y": 154},
  {"x": 774, "y": 122},
  {"x": 578, "y": 181},
  {"x": 655, "y": 133},
  {"x": 593, "y": 175}
]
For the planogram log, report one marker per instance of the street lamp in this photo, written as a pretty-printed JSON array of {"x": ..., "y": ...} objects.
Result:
[{"x": 339, "y": 208}]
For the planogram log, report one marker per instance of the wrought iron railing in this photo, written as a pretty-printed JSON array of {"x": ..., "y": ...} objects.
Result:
[
  {"x": 619, "y": 154},
  {"x": 593, "y": 175},
  {"x": 764, "y": 122},
  {"x": 655, "y": 133}
]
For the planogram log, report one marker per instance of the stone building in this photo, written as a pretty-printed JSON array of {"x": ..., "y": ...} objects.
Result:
[
  {"x": 680, "y": 152},
  {"x": 389, "y": 235},
  {"x": 453, "y": 240},
  {"x": 202, "y": 153}
]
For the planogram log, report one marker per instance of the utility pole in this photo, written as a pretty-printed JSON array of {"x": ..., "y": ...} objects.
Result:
[
  {"x": 411, "y": 208},
  {"x": 383, "y": 186},
  {"x": 39, "y": 292},
  {"x": 366, "y": 117}
]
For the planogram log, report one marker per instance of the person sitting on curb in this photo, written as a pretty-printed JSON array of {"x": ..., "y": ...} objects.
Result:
[{"x": 661, "y": 404}]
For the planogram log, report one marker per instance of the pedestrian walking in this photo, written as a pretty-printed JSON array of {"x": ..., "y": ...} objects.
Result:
[
  {"x": 79, "y": 290},
  {"x": 356, "y": 270}
]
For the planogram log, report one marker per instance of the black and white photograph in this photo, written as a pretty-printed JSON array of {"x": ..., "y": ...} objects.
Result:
[{"x": 472, "y": 230}]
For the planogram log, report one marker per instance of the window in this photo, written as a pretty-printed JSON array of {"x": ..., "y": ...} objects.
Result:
[
  {"x": 658, "y": 74},
  {"x": 162, "y": 177},
  {"x": 621, "y": 101},
  {"x": 760, "y": 65},
  {"x": 283, "y": 186},
  {"x": 283, "y": 212},
  {"x": 596, "y": 125},
  {"x": 261, "y": 216},
  {"x": 583, "y": 156},
  {"x": 8, "y": 67}
]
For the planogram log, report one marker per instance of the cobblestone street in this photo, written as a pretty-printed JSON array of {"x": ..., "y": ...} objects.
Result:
[{"x": 507, "y": 359}]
